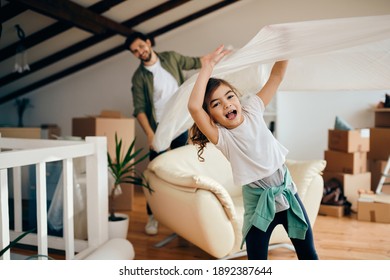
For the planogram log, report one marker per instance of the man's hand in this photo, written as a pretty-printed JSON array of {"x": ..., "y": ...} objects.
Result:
[{"x": 150, "y": 140}]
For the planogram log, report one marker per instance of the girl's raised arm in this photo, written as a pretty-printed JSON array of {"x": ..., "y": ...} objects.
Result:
[
  {"x": 275, "y": 79},
  {"x": 195, "y": 103}
]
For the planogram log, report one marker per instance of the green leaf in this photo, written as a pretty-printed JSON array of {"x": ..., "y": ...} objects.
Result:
[{"x": 122, "y": 168}]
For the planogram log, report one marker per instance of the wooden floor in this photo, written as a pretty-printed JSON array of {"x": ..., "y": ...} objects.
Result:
[{"x": 335, "y": 239}]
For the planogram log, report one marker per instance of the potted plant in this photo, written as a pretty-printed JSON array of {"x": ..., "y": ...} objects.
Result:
[
  {"x": 123, "y": 170},
  {"x": 22, "y": 105}
]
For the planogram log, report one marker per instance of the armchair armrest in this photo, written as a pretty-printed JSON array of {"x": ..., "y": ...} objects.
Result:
[{"x": 195, "y": 212}]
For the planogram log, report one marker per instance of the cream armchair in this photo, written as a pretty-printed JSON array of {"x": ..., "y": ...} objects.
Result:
[{"x": 199, "y": 201}]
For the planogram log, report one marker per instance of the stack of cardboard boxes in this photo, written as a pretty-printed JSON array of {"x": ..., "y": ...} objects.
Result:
[
  {"x": 376, "y": 208},
  {"x": 380, "y": 147},
  {"x": 346, "y": 159}
]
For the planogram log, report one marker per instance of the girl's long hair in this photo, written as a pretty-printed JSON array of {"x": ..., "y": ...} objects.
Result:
[{"x": 196, "y": 136}]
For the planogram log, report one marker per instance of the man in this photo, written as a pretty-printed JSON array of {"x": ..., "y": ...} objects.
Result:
[{"x": 154, "y": 82}]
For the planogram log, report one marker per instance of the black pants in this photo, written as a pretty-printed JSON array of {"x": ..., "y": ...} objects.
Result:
[
  {"x": 257, "y": 241},
  {"x": 179, "y": 141}
]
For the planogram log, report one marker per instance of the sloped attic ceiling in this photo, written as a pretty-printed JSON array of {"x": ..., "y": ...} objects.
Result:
[{"x": 62, "y": 37}]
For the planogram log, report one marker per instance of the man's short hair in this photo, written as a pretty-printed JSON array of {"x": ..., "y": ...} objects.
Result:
[{"x": 134, "y": 36}]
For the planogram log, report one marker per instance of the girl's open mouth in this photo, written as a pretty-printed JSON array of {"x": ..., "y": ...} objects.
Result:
[{"x": 231, "y": 114}]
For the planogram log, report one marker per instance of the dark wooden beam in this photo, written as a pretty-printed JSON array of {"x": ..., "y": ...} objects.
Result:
[
  {"x": 73, "y": 13},
  {"x": 105, "y": 5},
  {"x": 156, "y": 11},
  {"x": 192, "y": 17},
  {"x": 109, "y": 53},
  {"x": 88, "y": 42},
  {"x": 53, "y": 30},
  {"x": 11, "y": 10}
]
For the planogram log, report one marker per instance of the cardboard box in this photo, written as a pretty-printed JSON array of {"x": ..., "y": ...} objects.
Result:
[
  {"x": 349, "y": 141},
  {"x": 21, "y": 132},
  {"x": 351, "y": 183},
  {"x": 376, "y": 167},
  {"x": 98, "y": 126},
  {"x": 374, "y": 208},
  {"x": 111, "y": 114},
  {"x": 331, "y": 210},
  {"x": 382, "y": 117},
  {"x": 50, "y": 131},
  {"x": 351, "y": 163},
  {"x": 379, "y": 143}
]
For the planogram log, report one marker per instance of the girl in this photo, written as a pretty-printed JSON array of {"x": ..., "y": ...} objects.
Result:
[{"x": 257, "y": 158}]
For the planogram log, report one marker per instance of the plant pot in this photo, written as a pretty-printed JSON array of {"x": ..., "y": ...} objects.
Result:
[{"x": 118, "y": 229}]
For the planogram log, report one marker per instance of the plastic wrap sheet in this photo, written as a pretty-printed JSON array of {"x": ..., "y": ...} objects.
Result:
[
  {"x": 55, "y": 211},
  {"x": 324, "y": 55}
]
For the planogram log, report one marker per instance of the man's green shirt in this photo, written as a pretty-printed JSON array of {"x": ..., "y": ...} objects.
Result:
[{"x": 142, "y": 81}]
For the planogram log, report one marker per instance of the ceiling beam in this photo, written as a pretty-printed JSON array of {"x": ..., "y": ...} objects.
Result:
[
  {"x": 51, "y": 59},
  {"x": 109, "y": 53},
  {"x": 53, "y": 30},
  {"x": 192, "y": 17},
  {"x": 76, "y": 14},
  {"x": 156, "y": 11},
  {"x": 11, "y": 10}
]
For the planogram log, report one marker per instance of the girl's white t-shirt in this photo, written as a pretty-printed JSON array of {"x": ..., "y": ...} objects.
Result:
[
  {"x": 251, "y": 148},
  {"x": 164, "y": 87}
]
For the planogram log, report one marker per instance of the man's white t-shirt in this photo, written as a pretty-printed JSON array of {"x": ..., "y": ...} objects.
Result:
[
  {"x": 164, "y": 87},
  {"x": 252, "y": 150}
]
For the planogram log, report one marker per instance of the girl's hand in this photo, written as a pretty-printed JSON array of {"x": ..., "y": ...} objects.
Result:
[{"x": 211, "y": 59}]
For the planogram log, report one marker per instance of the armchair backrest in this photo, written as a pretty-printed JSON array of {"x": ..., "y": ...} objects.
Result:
[
  {"x": 179, "y": 166},
  {"x": 304, "y": 172}
]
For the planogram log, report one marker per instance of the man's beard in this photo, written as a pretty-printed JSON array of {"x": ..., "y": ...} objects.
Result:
[{"x": 148, "y": 58}]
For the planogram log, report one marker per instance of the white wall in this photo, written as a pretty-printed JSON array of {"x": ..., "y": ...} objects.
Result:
[
  {"x": 304, "y": 118},
  {"x": 301, "y": 127}
]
